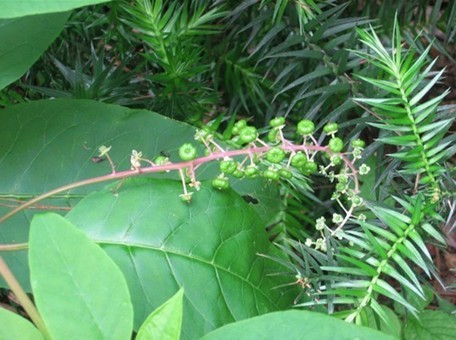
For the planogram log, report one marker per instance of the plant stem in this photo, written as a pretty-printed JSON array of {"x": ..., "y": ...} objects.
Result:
[
  {"x": 23, "y": 298},
  {"x": 174, "y": 166}
]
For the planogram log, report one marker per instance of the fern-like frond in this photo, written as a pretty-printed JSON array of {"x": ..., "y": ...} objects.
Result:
[
  {"x": 412, "y": 124},
  {"x": 375, "y": 256}
]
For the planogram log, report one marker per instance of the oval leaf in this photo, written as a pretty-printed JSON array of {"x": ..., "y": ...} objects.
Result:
[
  {"x": 13, "y": 326},
  {"x": 165, "y": 322},
  {"x": 432, "y": 325},
  {"x": 23, "y": 40},
  {"x": 14, "y": 8},
  {"x": 78, "y": 289},
  {"x": 292, "y": 325},
  {"x": 210, "y": 247},
  {"x": 49, "y": 143}
]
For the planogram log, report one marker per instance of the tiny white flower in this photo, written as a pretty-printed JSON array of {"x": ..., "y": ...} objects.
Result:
[
  {"x": 337, "y": 218},
  {"x": 364, "y": 169}
]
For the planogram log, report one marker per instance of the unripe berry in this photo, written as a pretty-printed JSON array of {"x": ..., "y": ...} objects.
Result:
[
  {"x": 220, "y": 183},
  {"x": 285, "y": 173},
  {"x": 248, "y": 134},
  {"x": 271, "y": 174},
  {"x": 187, "y": 152},
  {"x": 298, "y": 160},
  {"x": 309, "y": 168},
  {"x": 275, "y": 155},
  {"x": 276, "y": 122},
  {"x": 358, "y": 143},
  {"x": 331, "y": 128},
  {"x": 336, "y": 144},
  {"x": 305, "y": 127}
]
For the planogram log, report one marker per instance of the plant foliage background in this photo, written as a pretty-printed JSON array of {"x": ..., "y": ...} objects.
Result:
[{"x": 146, "y": 75}]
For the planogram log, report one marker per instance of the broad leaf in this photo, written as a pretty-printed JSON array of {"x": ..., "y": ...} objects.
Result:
[
  {"x": 50, "y": 143},
  {"x": 210, "y": 247},
  {"x": 23, "y": 40},
  {"x": 165, "y": 322},
  {"x": 77, "y": 288},
  {"x": 294, "y": 325},
  {"x": 434, "y": 325},
  {"x": 13, "y": 326},
  {"x": 14, "y": 8}
]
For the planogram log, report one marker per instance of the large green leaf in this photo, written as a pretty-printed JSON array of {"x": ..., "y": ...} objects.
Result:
[
  {"x": 50, "y": 143},
  {"x": 293, "y": 325},
  {"x": 23, "y": 40},
  {"x": 78, "y": 289},
  {"x": 165, "y": 322},
  {"x": 15, "y": 8},
  {"x": 434, "y": 325},
  {"x": 210, "y": 247},
  {"x": 13, "y": 326}
]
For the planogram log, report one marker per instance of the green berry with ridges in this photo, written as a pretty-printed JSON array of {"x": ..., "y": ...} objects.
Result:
[
  {"x": 285, "y": 173},
  {"x": 275, "y": 155},
  {"x": 336, "y": 160},
  {"x": 248, "y": 134},
  {"x": 273, "y": 135},
  {"x": 336, "y": 144},
  {"x": 251, "y": 171},
  {"x": 358, "y": 143},
  {"x": 160, "y": 160},
  {"x": 309, "y": 168},
  {"x": 271, "y": 174},
  {"x": 238, "y": 127},
  {"x": 298, "y": 160},
  {"x": 276, "y": 122},
  {"x": 331, "y": 128},
  {"x": 221, "y": 183},
  {"x": 227, "y": 166},
  {"x": 187, "y": 152},
  {"x": 238, "y": 173},
  {"x": 305, "y": 127}
]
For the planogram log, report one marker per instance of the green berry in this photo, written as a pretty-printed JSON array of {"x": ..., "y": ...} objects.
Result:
[
  {"x": 248, "y": 134},
  {"x": 160, "y": 160},
  {"x": 276, "y": 122},
  {"x": 251, "y": 171},
  {"x": 331, "y": 128},
  {"x": 336, "y": 144},
  {"x": 187, "y": 152},
  {"x": 275, "y": 155},
  {"x": 309, "y": 168},
  {"x": 272, "y": 135},
  {"x": 298, "y": 160},
  {"x": 238, "y": 127},
  {"x": 305, "y": 127},
  {"x": 220, "y": 183},
  {"x": 358, "y": 143},
  {"x": 271, "y": 174},
  {"x": 227, "y": 166},
  {"x": 238, "y": 173},
  {"x": 285, "y": 173},
  {"x": 336, "y": 160}
]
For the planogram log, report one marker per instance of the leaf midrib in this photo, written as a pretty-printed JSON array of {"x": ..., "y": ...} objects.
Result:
[{"x": 195, "y": 258}]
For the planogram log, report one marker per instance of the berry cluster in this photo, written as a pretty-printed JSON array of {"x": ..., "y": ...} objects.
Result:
[{"x": 276, "y": 159}]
